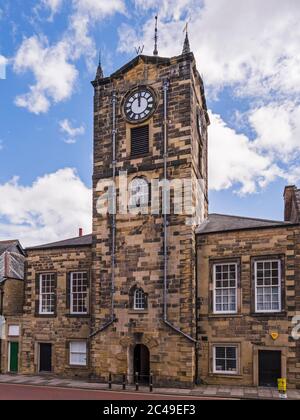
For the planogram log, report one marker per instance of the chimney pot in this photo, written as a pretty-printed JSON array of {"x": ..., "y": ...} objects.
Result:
[{"x": 80, "y": 232}]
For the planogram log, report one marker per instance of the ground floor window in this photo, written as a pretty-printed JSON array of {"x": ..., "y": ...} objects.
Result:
[
  {"x": 78, "y": 353},
  {"x": 225, "y": 359}
]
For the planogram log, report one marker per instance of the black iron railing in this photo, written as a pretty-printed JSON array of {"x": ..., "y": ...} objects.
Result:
[{"x": 136, "y": 380}]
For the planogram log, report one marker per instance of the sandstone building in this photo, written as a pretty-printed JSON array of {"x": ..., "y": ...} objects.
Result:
[
  {"x": 208, "y": 302},
  {"x": 12, "y": 262}
]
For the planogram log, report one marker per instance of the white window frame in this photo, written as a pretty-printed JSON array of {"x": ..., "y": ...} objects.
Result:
[
  {"x": 72, "y": 294},
  {"x": 268, "y": 311},
  {"x": 135, "y": 300},
  {"x": 215, "y": 289},
  {"x": 41, "y": 312},
  {"x": 226, "y": 372},
  {"x": 71, "y": 353}
]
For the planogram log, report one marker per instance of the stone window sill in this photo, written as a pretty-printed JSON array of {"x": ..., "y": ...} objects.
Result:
[
  {"x": 79, "y": 367},
  {"x": 213, "y": 316},
  {"x": 269, "y": 314},
  {"x": 133, "y": 312},
  {"x": 227, "y": 376}
]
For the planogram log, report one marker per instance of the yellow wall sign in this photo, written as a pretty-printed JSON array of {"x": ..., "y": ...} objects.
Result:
[
  {"x": 274, "y": 335},
  {"x": 282, "y": 385}
]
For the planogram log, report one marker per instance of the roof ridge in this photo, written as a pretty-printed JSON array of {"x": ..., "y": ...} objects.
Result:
[
  {"x": 247, "y": 218},
  {"x": 61, "y": 242}
]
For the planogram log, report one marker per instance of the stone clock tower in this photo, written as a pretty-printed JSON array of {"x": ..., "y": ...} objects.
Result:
[{"x": 150, "y": 121}]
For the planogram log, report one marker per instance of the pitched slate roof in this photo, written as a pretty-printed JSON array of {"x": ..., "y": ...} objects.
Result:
[
  {"x": 223, "y": 223},
  {"x": 69, "y": 243},
  {"x": 9, "y": 245}
]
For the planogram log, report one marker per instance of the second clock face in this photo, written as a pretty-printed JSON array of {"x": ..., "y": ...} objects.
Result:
[{"x": 139, "y": 105}]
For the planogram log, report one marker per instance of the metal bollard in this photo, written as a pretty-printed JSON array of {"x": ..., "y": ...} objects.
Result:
[
  {"x": 110, "y": 381},
  {"x": 136, "y": 381},
  {"x": 124, "y": 382},
  {"x": 151, "y": 382}
]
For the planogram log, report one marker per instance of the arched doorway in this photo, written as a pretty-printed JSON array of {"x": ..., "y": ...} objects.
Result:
[{"x": 141, "y": 362}]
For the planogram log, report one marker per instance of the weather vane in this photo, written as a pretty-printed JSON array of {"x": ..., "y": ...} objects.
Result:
[
  {"x": 186, "y": 27},
  {"x": 139, "y": 50}
]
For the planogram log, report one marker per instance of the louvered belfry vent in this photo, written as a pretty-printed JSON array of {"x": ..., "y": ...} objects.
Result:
[{"x": 140, "y": 140}]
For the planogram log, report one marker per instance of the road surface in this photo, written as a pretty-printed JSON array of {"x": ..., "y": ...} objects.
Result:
[{"x": 28, "y": 392}]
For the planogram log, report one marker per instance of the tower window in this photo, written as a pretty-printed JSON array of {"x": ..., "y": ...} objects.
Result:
[
  {"x": 139, "y": 141},
  {"x": 139, "y": 195},
  {"x": 139, "y": 300}
]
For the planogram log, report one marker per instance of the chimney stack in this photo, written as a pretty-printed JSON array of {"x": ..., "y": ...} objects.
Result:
[
  {"x": 80, "y": 232},
  {"x": 292, "y": 204}
]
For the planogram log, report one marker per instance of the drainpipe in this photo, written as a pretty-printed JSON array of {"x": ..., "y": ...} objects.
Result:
[
  {"x": 113, "y": 225},
  {"x": 165, "y": 223}
]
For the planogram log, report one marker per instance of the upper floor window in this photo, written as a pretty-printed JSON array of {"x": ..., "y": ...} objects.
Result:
[
  {"x": 139, "y": 194},
  {"x": 140, "y": 141},
  {"x": 139, "y": 303},
  {"x": 268, "y": 286},
  {"x": 79, "y": 293},
  {"x": 225, "y": 288},
  {"x": 47, "y": 294}
]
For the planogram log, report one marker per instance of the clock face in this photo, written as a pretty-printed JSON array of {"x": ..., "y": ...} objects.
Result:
[{"x": 139, "y": 105}]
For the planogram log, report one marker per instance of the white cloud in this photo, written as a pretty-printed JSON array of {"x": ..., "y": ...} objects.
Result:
[
  {"x": 278, "y": 129},
  {"x": 52, "y": 208},
  {"x": 55, "y": 76},
  {"x": 72, "y": 132},
  {"x": 53, "y": 5},
  {"x": 98, "y": 9},
  {"x": 169, "y": 9},
  {"x": 252, "y": 46},
  {"x": 53, "y": 66},
  {"x": 253, "y": 49},
  {"x": 3, "y": 63},
  {"x": 234, "y": 161}
]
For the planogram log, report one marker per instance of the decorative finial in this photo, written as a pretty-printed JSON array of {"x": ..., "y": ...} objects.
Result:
[
  {"x": 155, "y": 52},
  {"x": 186, "y": 46},
  {"x": 100, "y": 73}
]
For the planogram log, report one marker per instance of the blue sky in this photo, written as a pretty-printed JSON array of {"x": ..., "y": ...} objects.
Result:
[{"x": 247, "y": 53}]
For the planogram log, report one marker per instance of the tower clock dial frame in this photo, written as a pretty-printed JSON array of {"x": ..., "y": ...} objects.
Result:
[{"x": 139, "y": 104}]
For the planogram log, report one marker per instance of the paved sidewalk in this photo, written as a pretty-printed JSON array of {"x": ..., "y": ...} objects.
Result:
[{"x": 251, "y": 393}]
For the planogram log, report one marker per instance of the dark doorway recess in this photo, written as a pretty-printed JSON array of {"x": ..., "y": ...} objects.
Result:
[
  {"x": 269, "y": 368},
  {"x": 141, "y": 361},
  {"x": 45, "y": 357}
]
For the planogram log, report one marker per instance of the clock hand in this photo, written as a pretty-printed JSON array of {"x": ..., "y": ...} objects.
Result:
[{"x": 140, "y": 97}]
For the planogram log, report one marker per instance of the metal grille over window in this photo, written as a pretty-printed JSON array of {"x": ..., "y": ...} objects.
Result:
[
  {"x": 225, "y": 288},
  {"x": 79, "y": 293},
  {"x": 225, "y": 359},
  {"x": 139, "y": 300},
  {"x": 268, "y": 288},
  {"x": 47, "y": 294},
  {"x": 140, "y": 141}
]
